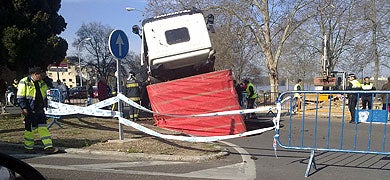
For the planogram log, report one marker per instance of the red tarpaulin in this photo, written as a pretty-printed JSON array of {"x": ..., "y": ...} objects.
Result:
[{"x": 205, "y": 93}]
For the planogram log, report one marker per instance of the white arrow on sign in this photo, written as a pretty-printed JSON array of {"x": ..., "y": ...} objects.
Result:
[{"x": 119, "y": 42}]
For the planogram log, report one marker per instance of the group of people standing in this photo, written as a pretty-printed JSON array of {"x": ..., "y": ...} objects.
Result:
[
  {"x": 366, "y": 98},
  {"x": 134, "y": 89},
  {"x": 103, "y": 90},
  {"x": 353, "y": 98}
]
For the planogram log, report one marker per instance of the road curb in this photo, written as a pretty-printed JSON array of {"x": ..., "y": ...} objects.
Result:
[
  {"x": 125, "y": 155},
  {"x": 144, "y": 156}
]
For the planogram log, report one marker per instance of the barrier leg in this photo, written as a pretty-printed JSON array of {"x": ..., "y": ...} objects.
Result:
[
  {"x": 311, "y": 163},
  {"x": 299, "y": 104},
  {"x": 271, "y": 112},
  {"x": 54, "y": 121}
]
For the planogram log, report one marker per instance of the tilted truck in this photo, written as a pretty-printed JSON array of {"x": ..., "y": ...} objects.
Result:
[
  {"x": 177, "y": 52},
  {"x": 176, "y": 45}
]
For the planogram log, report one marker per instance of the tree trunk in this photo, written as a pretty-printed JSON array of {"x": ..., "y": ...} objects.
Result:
[
  {"x": 374, "y": 43},
  {"x": 274, "y": 81},
  {"x": 273, "y": 74}
]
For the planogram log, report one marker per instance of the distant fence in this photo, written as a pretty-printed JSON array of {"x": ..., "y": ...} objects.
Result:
[
  {"x": 321, "y": 123},
  {"x": 263, "y": 99}
]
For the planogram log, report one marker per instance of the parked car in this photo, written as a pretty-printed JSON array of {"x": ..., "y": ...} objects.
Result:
[
  {"x": 10, "y": 96},
  {"x": 78, "y": 92}
]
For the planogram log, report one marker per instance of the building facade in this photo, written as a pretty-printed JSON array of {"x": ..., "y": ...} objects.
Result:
[{"x": 68, "y": 74}]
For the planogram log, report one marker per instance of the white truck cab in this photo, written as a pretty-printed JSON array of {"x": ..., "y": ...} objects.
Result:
[{"x": 176, "y": 45}]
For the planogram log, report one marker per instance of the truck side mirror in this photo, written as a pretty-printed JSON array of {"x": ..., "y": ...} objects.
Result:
[
  {"x": 210, "y": 19},
  {"x": 135, "y": 29},
  {"x": 210, "y": 23}
]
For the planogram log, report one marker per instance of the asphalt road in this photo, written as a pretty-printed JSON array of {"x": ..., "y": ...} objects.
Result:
[
  {"x": 103, "y": 166},
  {"x": 13, "y": 109},
  {"x": 292, "y": 164},
  {"x": 250, "y": 158}
]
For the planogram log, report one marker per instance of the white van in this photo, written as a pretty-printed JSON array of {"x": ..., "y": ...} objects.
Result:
[{"x": 176, "y": 45}]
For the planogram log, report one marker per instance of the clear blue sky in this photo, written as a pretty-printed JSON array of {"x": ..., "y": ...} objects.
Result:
[{"x": 108, "y": 12}]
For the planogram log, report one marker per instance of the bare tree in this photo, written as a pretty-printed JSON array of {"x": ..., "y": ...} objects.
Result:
[
  {"x": 336, "y": 22},
  {"x": 131, "y": 63},
  {"x": 93, "y": 38},
  {"x": 373, "y": 19},
  {"x": 367, "y": 44},
  {"x": 99, "y": 57},
  {"x": 347, "y": 45},
  {"x": 236, "y": 49},
  {"x": 300, "y": 59},
  {"x": 376, "y": 12},
  {"x": 271, "y": 23}
]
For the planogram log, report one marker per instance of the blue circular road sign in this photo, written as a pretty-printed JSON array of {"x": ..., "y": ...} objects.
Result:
[{"x": 118, "y": 44}]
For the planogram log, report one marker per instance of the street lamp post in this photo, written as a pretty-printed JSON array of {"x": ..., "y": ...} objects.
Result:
[
  {"x": 78, "y": 50},
  {"x": 133, "y": 9}
]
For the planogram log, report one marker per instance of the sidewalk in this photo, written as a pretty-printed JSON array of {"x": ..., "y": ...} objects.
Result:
[{"x": 12, "y": 110}]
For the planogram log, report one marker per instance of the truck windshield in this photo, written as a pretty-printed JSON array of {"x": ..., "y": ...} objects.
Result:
[{"x": 175, "y": 36}]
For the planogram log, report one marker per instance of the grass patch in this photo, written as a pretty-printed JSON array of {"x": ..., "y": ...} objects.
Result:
[
  {"x": 132, "y": 151},
  {"x": 93, "y": 133}
]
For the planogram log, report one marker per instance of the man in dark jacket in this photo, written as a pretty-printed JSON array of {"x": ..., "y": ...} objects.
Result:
[
  {"x": 103, "y": 89},
  {"x": 239, "y": 90},
  {"x": 133, "y": 93},
  {"x": 89, "y": 89},
  {"x": 367, "y": 97}
]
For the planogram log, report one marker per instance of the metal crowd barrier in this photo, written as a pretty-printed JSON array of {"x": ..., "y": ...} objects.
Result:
[
  {"x": 265, "y": 98},
  {"x": 54, "y": 95},
  {"x": 321, "y": 123},
  {"x": 80, "y": 101}
]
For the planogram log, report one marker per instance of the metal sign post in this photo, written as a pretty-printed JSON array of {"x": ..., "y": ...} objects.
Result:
[{"x": 119, "y": 47}]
